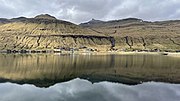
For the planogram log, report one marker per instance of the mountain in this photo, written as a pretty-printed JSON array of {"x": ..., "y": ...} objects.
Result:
[
  {"x": 136, "y": 34},
  {"x": 98, "y": 23},
  {"x": 45, "y": 32},
  {"x": 45, "y": 16},
  {"x": 92, "y": 23},
  {"x": 3, "y": 21}
]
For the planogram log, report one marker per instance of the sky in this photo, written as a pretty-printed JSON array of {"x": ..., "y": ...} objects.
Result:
[{"x": 78, "y": 11}]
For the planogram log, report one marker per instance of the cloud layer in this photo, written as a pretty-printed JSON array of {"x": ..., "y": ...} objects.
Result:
[{"x": 79, "y": 11}]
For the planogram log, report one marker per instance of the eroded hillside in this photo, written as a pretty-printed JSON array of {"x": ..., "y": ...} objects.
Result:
[
  {"x": 136, "y": 34},
  {"x": 45, "y": 32}
]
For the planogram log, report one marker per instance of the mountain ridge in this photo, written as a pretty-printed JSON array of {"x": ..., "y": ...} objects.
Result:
[{"x": 94, "y": 21}]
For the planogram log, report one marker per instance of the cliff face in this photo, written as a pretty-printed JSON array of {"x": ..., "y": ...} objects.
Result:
[
  {"x": 46, "y": 32},
  {"x": 136, "y": 34}
]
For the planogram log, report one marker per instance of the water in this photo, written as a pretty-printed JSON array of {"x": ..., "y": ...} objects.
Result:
[
  {"x": 53, "y": 77},
  {"x": 83, "y": 90}
]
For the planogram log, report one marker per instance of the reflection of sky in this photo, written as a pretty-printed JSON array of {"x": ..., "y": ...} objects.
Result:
[{"x": 82, "y": 90}]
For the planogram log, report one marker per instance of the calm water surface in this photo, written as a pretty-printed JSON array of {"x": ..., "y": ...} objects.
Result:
[
  {"x": 83, "y": 90},
  {"x": 53, "y": 77}
]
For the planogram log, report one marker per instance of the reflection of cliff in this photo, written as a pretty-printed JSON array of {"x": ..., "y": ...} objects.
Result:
[{"x": 51, "y": 68}]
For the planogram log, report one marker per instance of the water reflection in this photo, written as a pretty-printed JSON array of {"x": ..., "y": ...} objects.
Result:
[
  {"x": 47, "y": 69},
  {"x": 82, "y": 90}
]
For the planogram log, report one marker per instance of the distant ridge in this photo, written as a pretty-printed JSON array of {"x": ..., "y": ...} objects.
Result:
[
  {"x": 46, "y": 18},
  {"x": 99, "y": 23}
]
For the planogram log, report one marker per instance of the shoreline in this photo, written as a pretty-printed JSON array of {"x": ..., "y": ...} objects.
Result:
[{"x": 172, "y": 54}]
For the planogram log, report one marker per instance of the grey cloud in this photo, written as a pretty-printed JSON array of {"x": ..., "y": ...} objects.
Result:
[{"x": 79, "y": 11}]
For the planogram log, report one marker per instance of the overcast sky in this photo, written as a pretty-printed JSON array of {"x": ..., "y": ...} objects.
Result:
[{"x": 78, "y": 11}]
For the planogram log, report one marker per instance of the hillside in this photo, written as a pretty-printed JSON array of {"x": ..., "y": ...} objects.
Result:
[
  {"x": 45, "y": 32},
  {"x": 136, "y": 34}
]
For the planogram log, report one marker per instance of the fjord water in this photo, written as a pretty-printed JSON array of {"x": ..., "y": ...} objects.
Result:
[
  {"x": 48, "y": 69},
  {"x": 52, "y": 77},
  {"x": 83, "y": 90}
]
